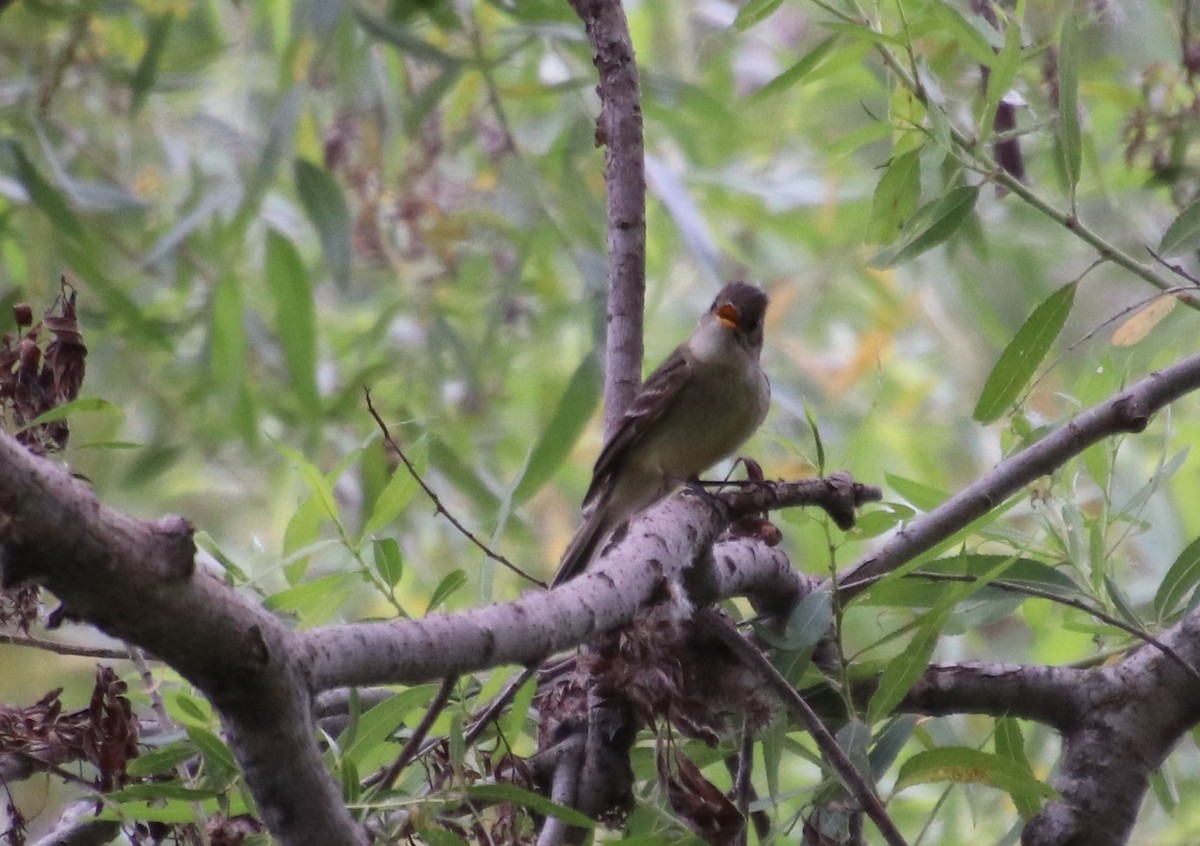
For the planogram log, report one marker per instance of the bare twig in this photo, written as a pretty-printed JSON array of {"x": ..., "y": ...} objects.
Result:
[
  {"x": 1070, "y": 602},
  {"x": 1129, "y": 309},
  {"x": 439, "y": 508},
  {"x": 858, "y": 786},
  {"x": 409, "y": 752},
  {"x": 189, "y": 832},
  {"x": 1177, "y": 269},
  {"x": 65, "y": 648},
  {"x": 838, "y": 494}
]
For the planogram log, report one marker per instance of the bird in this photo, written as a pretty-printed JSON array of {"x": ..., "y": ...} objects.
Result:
[{"x": 696, "y": 408}]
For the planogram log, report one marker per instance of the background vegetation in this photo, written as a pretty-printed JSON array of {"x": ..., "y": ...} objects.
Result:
[{"x": 266, "y": 207}]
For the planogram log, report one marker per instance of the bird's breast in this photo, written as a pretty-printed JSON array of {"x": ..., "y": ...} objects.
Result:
[{"x": 710, "y": 419}]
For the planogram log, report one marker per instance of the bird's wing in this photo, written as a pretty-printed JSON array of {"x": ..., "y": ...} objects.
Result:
[{"x": 656, "y": 396}]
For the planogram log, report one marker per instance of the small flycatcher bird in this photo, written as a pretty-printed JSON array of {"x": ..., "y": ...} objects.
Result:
[{"x": 699, "y": 406}]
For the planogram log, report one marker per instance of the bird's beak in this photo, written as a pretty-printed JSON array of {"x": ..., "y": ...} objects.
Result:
[{"x": 729, "y": 316}]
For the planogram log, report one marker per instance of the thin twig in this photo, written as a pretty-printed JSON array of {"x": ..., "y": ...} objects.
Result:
[
  {"x": 858, "y": 786},
  {"x": 439, "y": 508},
  {"x": 497, "y": 705},
  {"x": 409, "y": 752},
  {"x": 1078, "y": 604},
  {"x": 981, "y": 161},
  {"x": 1174, "y": 268},
  {"x": 65, "y": 648},
  {"x": 190, "y": 831},
  {"x": 1091, "y": 333}
]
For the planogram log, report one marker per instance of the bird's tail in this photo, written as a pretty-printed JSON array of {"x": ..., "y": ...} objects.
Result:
[{"x": 584, "y": 544}]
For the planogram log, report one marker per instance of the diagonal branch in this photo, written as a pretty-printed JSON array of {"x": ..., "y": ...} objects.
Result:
[
  {"x": 136, "y": 581},
  {"x": 1128, "y": 411}
]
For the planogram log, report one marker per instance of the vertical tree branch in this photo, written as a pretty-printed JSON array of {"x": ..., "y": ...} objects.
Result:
[{"x": 619, "y": 130}]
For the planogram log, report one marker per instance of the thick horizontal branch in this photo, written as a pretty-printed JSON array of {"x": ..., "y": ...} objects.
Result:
[
  {"x": 1048, "y": 695},
  {"x": 628, "y": 575},
  {"x": 525, "y": 631},
  {"x": 1128, "y": 411}
]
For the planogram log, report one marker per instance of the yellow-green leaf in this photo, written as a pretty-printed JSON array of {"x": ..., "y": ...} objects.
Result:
[{"x": 1024, "y": 353}]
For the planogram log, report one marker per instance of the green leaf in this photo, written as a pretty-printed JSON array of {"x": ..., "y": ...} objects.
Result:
[
  {"x": 932, "y": 225},
  {"x": 403, "y": 39},
  {"x": 440, "y": 837},
  {"x": 162, "y": 790},
  {"x": 295, "y": 319},
  {"x": 227, "y": 334},
  {"x": 903, "y": 670},
  {"x": 457, "y": 744},
  {"x": 278, "y": 137},
  {"x": 970, "y": 766},
  {"x": 1183, "y": 235},
  {"x": 1010, "y": 746},
  {"x": 797, "y": 72},
  {"x": 86, "y": 405},
  {"x": 189, "y": 709},
  {"x": 326, "y": 207},
  {"x": 921, "y": 590},
  {"x": 172, "y": 811},
  {"x": 1181, "y": 580},
  {"x": 321, "y": 487},
  {"x": 1024, "y": 353},
  {"x": 399, "y": 490},
  {"x": 377, "y": 724},
  {"x": 162, "y": 760},
  {"x": 432, "y": 94},
  {"x": 388, "y": 561},
  {"x": 881, "y": 518},
  {"x": 967, "y": 38},
  {"x": 1068, "y": 96},
  {"x": 302, "y": 531},
  {"x": 896, "y": 197},
  {"x": 513, "y": 723},
  {"x": 864, "y": 32},
  {"x": 925, "y": 497},
  {"x": 811, "y": 418},
  {"x": 317, "y": 601},
  {"x": 217, "y": 756},
  {"x": 571, "y": 414},
  {"x": 754, "y": 12},
  {"x": 452, "y": 582},
  {"x": 48, "y": 199},
  {"x": 530, "y": 800},
  {"x": 1003, "y": 71},
  {"x": 808, "y": 623},
  {"x": 890, "y": 742},
  {"x": 147, "y": 69},
  {"x": 854, "y": 738}
]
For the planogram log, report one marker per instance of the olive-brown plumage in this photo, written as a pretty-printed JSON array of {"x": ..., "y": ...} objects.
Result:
[{"x": 697, "y": 408}]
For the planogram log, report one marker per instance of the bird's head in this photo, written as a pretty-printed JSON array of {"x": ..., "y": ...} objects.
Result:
[{"x": 740, "y": 309}]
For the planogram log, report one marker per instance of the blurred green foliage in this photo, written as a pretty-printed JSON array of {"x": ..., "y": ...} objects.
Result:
[{"x": 269, "y": 207}]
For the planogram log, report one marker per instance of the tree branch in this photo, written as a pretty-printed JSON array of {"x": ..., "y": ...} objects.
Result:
[
  {"x": 137, "y": 582},
  {"x": 619, "y": 130},
  {"x": 1128, "y": 411}
]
